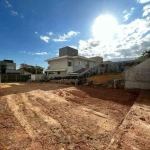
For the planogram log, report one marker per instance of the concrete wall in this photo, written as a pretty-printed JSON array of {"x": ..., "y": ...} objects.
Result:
[
  {"x": 58, "y": 64},
  {"x": 137, "y": 78},
  {"x": 97, "y": 58},
  {"x": 37, "y": 77},
  {"x": 81, "y": 63},
  {"x": 107, "y": 67},
  {"x": 70, "y": 69},
  {"x": 11, "y": 66}
]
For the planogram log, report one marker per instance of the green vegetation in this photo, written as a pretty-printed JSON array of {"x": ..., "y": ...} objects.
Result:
[
  {"x": 32, "y": 69},
  {"x": 145, "y": 55}
]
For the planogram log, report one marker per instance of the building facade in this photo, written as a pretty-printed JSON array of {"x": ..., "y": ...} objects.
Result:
[
  {"x": 68, "y": 63},
  {"x": 8, "y": 66}
]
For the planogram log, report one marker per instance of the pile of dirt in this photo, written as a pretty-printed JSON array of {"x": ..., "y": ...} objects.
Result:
[{"x": 48, "y": 116}]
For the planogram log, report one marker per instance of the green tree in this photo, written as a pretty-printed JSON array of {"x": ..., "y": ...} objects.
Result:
[
  {"x": 145, "y": 55},
  {"x": 33, "y": 69}
]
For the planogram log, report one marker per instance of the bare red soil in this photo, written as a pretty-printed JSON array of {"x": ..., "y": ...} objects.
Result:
[{"x": 46, "y": 116}]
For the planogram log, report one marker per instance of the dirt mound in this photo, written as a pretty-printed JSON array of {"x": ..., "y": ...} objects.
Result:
[{"x": 48, "y": 116}]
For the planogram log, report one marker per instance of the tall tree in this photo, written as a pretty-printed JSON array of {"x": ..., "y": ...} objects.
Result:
[{"x": 32, "y": 69}]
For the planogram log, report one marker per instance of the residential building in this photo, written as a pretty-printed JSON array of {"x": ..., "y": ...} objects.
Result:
[
  {"x": 8, "y": 66},
  {"x": 98, "y": 59},
  {"x": 69, "y": 63}
]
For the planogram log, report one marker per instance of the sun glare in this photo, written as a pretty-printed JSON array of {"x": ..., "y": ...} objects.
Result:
[{"x": 104, "y": 28}]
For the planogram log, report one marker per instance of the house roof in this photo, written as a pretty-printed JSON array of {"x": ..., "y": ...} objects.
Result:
[{"x": 71, "y": 57}]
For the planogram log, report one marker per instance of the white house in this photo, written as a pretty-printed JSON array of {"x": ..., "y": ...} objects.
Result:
[{"x": 69, "y": 63}]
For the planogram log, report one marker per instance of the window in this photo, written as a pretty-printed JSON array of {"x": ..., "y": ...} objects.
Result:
[{"x": 69, "y": 63}]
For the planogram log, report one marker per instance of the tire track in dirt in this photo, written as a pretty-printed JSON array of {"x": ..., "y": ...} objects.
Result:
[
  {"x": 37, "y": 124},
  {"x": 12, "y": 135},
  {"x": 67, "y": 117},
  {"x": 51, "y": 128},
  {"x": 48, "y": 96},
  {"x": 16, "y": 109},
  {"x": 105, "y": 120},
  {"x": 72, "y": 125},
  {"x": 37, "y": 108},
  {"x": 102, "y": 107}
]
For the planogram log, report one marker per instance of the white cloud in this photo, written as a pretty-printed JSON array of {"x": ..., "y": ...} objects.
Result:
[
  {"x": 73, "y": 47},
  {"x": 14, "y": 13},
  {"x": 45, "y": 38},
  {"x": 22, "y": 16},
  {"x": 22, "y": 51},
  {"x": 126, "y": 17},
  {"x": 124, "y": 12},
  {"x": 146, "y": 10},
  {"x": 36, "y": 53},
  {"x": 41, "y": 53},
  {"x": 148, "y": 18},
  {"x": 61, "y": 39},
  {"x": 128, "y": 14},
  {"x": 50, "y": 33},
  {"x": 130, "y": 41},
  {"x": 65, "y": 37},
  {"x": 72, "y": 33},
  {"x": 143, "y": 1},
  {"x": 7, "y": 4}
]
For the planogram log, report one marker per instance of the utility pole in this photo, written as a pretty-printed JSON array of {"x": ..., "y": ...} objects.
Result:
[{"x": 36, "y": 69}]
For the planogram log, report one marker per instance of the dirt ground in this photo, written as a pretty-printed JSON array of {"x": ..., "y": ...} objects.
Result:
[
  {"x": 48, "y": 116},
  {"x": 104, "y": 78}
]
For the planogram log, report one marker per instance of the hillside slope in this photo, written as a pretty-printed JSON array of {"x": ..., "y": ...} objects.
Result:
[{"x": 104, "y": 78}]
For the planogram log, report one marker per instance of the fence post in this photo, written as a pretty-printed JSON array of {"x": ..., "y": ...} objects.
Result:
[{"x": 16, "y": 77}]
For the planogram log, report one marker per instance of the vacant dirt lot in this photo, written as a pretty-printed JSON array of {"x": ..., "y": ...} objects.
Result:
[{"x": 46, "y": 116}]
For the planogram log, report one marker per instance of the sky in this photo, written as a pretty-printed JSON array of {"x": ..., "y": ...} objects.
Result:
[{"x": 32, "y": 31}]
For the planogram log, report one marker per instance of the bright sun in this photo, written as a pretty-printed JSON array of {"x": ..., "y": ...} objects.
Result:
[{"x": 104, "y": 28}]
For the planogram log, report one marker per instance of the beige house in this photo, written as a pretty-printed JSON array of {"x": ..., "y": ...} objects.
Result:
[{"x": 68, "y": 63}]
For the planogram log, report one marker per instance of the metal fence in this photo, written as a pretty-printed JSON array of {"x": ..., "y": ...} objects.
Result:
[{"x": 6, "y": 78}]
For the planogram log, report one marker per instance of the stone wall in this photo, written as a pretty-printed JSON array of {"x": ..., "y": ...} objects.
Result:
[{"x": 108, "y": 67}]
